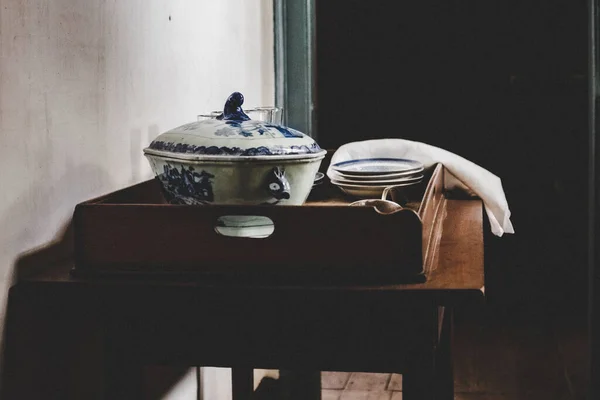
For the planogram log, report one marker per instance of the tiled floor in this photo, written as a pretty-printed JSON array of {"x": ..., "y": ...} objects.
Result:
[
  {"x": 360, "y": 386},
  {"x": 494, "y": 359}
]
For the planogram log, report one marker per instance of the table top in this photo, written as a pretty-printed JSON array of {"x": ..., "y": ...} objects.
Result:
[{"x": 459, "y": 274}]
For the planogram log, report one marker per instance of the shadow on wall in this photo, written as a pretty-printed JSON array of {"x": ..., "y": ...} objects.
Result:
[
  {"x": 75, "y": 186},
  {"x": 18, "y": 366},
  {"x": 79, "y": 184},
  {"x": 59, "y": 250}
]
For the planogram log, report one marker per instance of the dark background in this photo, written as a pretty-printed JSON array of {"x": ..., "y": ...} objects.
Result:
[{"x": 502, "y": 83}]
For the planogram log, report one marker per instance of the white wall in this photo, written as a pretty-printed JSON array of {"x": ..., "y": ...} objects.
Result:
[{"x": 86, "y": 84}]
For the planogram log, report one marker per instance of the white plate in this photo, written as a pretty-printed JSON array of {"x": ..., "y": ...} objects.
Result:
[
  {"x": 377, "y": 166},
  {"x": 367, "y": 192},
  {"x": 387, "y": 182}
]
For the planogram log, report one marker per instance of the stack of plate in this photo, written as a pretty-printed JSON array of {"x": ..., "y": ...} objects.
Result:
[{"x": 367, "y": 178}]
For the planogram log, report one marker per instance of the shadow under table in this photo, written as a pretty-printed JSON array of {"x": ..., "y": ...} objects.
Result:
[{"x": 73, "y": 338}]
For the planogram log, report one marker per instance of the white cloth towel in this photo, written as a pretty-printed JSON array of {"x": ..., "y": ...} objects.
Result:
[{"x": 466, "y": 175}]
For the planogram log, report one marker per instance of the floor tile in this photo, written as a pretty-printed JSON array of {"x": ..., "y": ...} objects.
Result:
[
  {"x": 328, "y": 394},
  {"x": 368, "y": 382},
  {"x": 500, "y": 358},
  {"x": 573, "y": 342},
  {"x": 365, "y": 395},
  {"x": 395, "y": 383},
  {"x": 334, "y": 380}
]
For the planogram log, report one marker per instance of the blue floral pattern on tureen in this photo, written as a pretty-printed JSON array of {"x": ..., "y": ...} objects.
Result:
[
  {"x": 249, "y": 128},
  {"x": 183, "y": 148},
  {"x": 245, "y": 129},
  {"x": 186, "y": 185}
]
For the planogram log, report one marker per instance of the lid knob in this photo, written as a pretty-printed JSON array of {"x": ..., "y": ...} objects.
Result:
[{"x": 233, "y": 108}]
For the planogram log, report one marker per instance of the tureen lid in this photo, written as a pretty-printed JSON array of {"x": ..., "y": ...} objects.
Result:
[{"x": 233, "y": 134}]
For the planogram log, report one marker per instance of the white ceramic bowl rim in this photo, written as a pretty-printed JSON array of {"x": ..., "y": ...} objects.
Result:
[{"x": 202, "y": 157}]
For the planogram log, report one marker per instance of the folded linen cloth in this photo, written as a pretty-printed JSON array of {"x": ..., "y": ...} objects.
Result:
[{"x": 466, "y": 175}]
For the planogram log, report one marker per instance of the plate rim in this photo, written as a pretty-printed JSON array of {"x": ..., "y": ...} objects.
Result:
[
  {"x": 336, "y": 167},
  {"x": 416, "y": 179},
  {"x": 373, "y": 187},
  {"x": 390, "y": 175}
]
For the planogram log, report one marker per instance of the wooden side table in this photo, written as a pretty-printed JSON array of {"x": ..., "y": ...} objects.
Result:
[{"x": 73, "y": 338}]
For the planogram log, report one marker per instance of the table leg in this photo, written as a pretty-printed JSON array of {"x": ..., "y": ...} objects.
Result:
[
  {"x": 300, "y": 385},
  {"x": 123, "y": 373},
  {"x": 242, "y": 383},
  {"x": 417, "y": 379},
  {"x": 444, "y": 377}
]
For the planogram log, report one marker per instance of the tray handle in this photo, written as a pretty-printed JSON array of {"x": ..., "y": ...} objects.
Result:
[{"x": 245, "y": 226}]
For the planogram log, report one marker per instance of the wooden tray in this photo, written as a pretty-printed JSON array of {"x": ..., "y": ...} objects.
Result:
[{"x": 133, "y": 231}]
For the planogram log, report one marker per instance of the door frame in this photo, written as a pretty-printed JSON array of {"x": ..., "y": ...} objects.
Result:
[
  {"x": 594, "y": 198},
  {"x": 294, "y": 29}
]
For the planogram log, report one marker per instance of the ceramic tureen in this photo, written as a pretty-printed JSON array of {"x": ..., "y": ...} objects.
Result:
[{"x": 232, "y": 159}]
